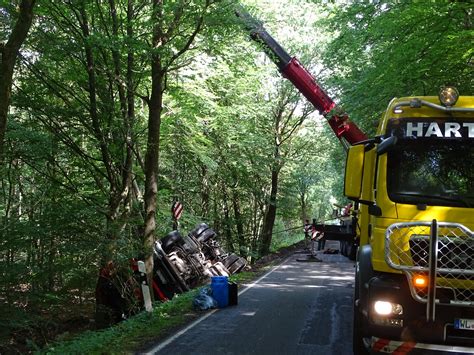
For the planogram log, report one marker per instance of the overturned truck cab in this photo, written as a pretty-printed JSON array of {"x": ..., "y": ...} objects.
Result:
[
  {"x": 180, "y": 264},
  {"x": 184, "y": 262}
]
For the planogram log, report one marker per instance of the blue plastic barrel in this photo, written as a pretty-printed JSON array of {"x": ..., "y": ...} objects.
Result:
[{"x": 220, "y": 290}]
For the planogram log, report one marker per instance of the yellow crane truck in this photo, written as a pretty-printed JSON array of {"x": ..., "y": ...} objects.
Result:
[{"x": 413, "y": 186}]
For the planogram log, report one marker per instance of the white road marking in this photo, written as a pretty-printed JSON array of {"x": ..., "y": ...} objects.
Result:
[{"x": 196, "y": 322}]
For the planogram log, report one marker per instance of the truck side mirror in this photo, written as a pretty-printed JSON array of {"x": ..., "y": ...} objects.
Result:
[
  {"x": 386, "y": 145},
  {"x": 354, "y": 172}
]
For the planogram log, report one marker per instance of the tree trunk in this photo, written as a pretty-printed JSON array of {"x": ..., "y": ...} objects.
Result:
[
  {"x": 204, "y": 192},
  {"x": 258, "y": 212},
  {"x": 304, "y": 207},
  {"x": 155, "y": 103},
  {"x": 113, "y": 201},
  {"x": 151, "y": 164},
  {"x": 270, "y": 215},
  {"x": 127, "y": 111},
  {"x": 239, "y": 224},
  {"x": 130, "y": 116},
  {"x": 9, "y": 53},
  {"x": 227, "y": 223}
]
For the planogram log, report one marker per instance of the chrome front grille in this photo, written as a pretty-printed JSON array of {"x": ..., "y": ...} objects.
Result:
[
  {"x": 407, "y": 248},
  {"x": 452, "y": 253}
]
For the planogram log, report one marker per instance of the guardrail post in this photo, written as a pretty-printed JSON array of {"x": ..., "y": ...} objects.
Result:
[{"x": 145, "y": 287}]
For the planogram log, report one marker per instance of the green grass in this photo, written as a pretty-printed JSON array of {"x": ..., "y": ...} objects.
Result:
[{"x": 130, "y": 335}]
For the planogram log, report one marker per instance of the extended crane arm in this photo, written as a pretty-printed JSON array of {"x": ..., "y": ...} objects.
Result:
[{"x": 302, "y": 79}]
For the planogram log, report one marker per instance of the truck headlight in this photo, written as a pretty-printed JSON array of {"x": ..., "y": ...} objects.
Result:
[
  {"x": 384, "y": 308},
  {"x": 448, "y": 96}
]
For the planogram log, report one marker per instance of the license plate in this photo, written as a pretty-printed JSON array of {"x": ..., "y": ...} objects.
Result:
[{"x": 464, "y": 324}]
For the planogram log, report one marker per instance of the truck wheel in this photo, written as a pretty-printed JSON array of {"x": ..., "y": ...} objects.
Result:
[
  {"x": 206, "y": 235},
  {"x": 170, "y": 240},
  {"x": 232, "y": 258},
  {"x": 196, "y": 232},
  {"x": 238, "y": 265},
  {"x": 358, "y": 345},
  {"x": 358, "y": 324}
]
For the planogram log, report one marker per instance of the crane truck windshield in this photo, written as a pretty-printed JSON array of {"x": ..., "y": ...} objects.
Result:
[{"x": 431, "y": 170}]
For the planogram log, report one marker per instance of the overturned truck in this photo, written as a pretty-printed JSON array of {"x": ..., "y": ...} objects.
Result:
[
  {"x": 180, "y": 264},
  {"x": 185, "y": 262}
]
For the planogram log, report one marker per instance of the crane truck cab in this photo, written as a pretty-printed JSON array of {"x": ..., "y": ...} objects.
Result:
[{"x": 414, "y": 184}]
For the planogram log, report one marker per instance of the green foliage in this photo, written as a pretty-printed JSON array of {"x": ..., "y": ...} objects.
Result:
[
  {"x": 284, "y": 236},
  {"x": 383, "y": 50}
]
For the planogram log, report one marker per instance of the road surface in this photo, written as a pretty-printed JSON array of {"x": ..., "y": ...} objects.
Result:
[{"x": 296, "y": 308}]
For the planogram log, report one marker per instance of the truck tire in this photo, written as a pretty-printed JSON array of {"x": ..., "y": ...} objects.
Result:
[
  {"x": 170, "y": 240},
  {"x": 196, "y": 232},
  {"x": 238, "y": 265},
  {"x": 358, "y": 324},
  {"x": 206, "y": 235},
  {"x": 364, "y": 272},
  {"x": 229, "y": 260},
  {"x": 358, "y": 345}
]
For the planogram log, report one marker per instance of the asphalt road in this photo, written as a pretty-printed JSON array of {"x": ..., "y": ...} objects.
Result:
[{"x": 296, "y": 308}]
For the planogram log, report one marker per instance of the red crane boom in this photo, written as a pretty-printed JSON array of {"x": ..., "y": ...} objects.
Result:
[{"x": 294, "y": 71}]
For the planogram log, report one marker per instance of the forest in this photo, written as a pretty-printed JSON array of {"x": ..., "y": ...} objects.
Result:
[{"x": 111, "y": 110}]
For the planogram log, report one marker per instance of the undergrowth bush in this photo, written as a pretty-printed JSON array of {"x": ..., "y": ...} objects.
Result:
[{"x": 132, "y": 333}]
